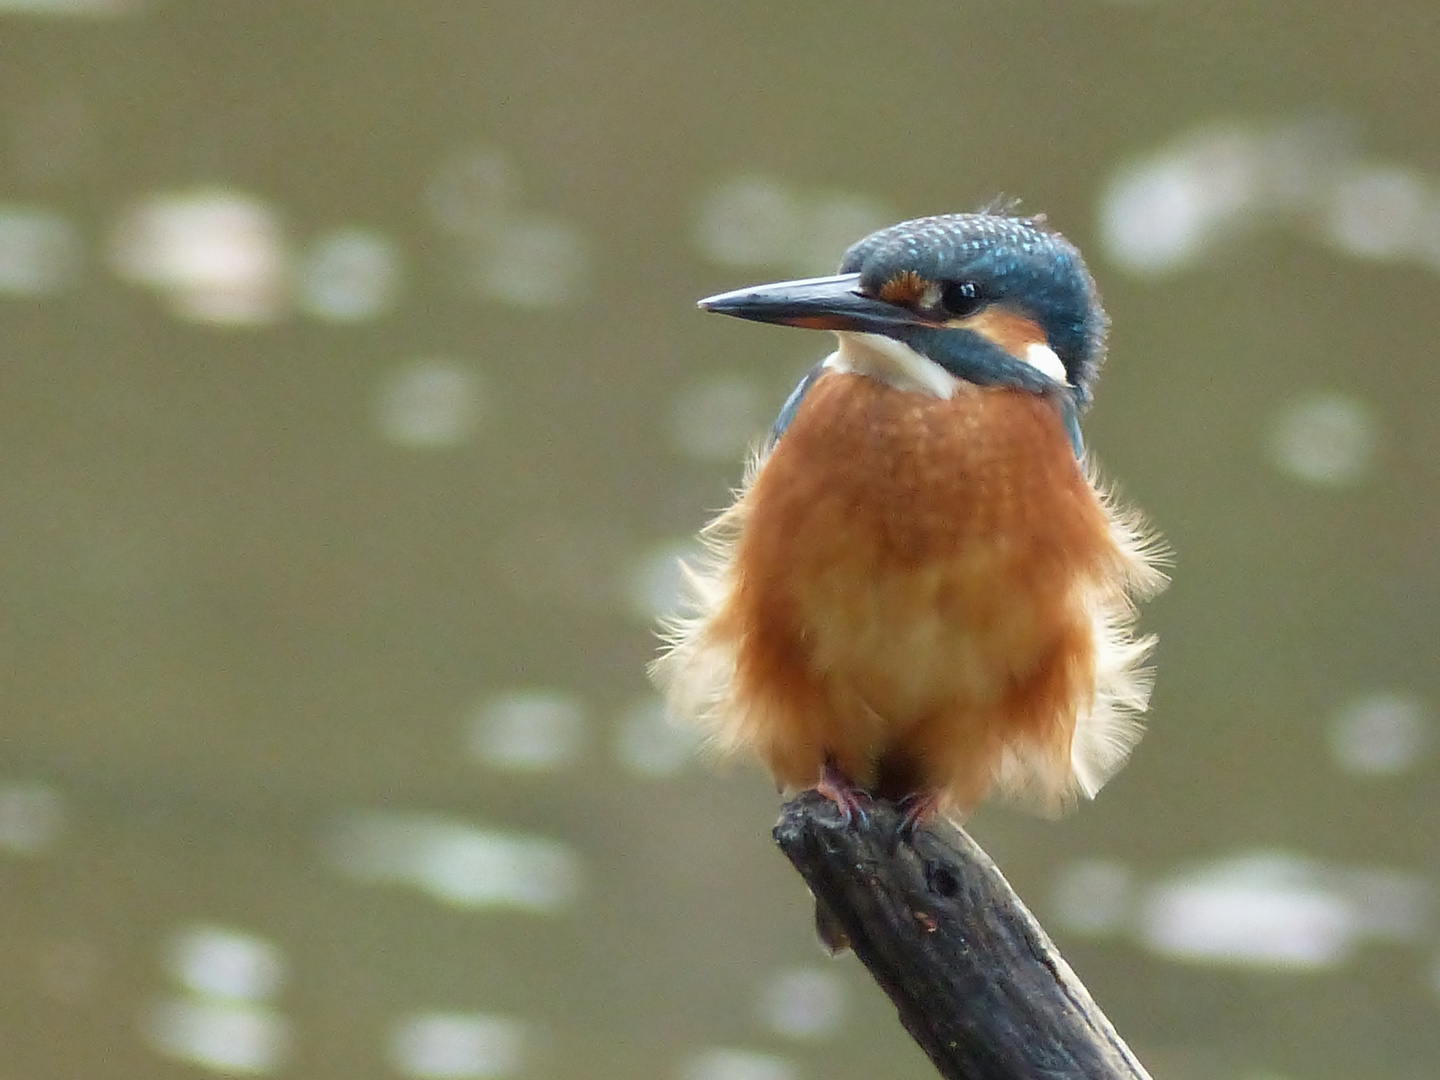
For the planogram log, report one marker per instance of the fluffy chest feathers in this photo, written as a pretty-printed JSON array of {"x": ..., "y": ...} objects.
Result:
[
  {"x": 921, "y": 548},
  {"x": 921, "y": 584}
]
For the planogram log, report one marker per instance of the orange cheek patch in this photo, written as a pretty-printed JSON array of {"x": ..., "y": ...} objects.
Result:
[{"x": 1006, "y": 327}]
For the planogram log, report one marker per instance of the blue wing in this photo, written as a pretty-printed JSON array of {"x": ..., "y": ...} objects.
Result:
[
  {"x": 1070, "y": 411},
  {"x": 792, "y": 406}
]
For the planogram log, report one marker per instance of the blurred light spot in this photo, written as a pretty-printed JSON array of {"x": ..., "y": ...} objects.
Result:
[
  {"x": 656, "y": 582},
  {"x": 1154, "y": 218},
  {"x": 430, "y": 404},
  {"x": 457, "y": 863},
  {"x": 718, "y": 419},
  {"x": 507, "y": 253},
  {"x": 829, "y": 224},
  {"x": 533, "y": 263},
  {"x": 1094, "y": 896},
  {"x": 1160, "y": 213},
  {"x": 1324, "y": 438},
  {"x": 1379, "y": 212},
  {"x": 218, "y": 962},
  {"x": 528, "y": 730},
  {"x": 216, "y": 255},
  {"x": 652, "y": 743},
  {"x": 39, "y": 251},
  {"x": 223, "y": 1036},
  {"x": 348, "y": 275},
  {"x": 803, "y": 1003},
  {"x": 726, "y": 1064},
  {"x": 749, "y": 222},
  {"x": 1264, "y": 910},
  {"x": 32, "y": 816},
  {"x": 759, "y": 222},
  {"x": 473, "y": 194},
  {"x": 1381, "y": 733},
  {"x": 1163, "y": 211},
  {"x": 457, "y": 1046}
]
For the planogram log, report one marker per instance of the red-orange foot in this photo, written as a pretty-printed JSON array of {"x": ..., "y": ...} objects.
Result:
[
  {"x": 854, "y": 802},
  {"x": 917, "y": 810}
]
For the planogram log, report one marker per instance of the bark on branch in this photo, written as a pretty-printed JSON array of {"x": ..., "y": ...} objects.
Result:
[{"x": 976, "y": 980}]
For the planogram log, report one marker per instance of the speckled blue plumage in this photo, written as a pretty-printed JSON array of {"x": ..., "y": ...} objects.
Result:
[{"x": 1015, "y": 261}]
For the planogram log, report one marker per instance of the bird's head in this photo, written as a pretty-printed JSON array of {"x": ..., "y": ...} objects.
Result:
[{"x": 991, "y": 300}]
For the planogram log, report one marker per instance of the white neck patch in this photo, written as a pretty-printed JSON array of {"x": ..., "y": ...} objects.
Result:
[
  {"x": 895, "y": 364},
  {"x": 1043, "y": 359}
]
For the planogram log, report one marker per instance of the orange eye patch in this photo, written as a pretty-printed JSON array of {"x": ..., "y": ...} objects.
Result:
[{"x": 907, "y": 289}]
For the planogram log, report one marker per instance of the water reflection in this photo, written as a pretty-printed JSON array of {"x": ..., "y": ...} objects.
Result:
[
  {"x": 220, "y": 1035},
  {"x": 1256, "y": 909},
  {"x": 803, "y": 1003},
  {"x": 1381, "y": 734},
  {"x": 763, "y": 223},
  {"x": 652, "y": 744},
  {"x": 655, "y": 585},
  {"x": 219, "y": 962},
  {"x": 223, "y": 1018},
  {"x": 720, "y": 417},
  {"x": 1164, "y": 211},
  {"x": 348, "y": 275},
  {"x": 724, "y": 1063},
  {"x": 528, "y": 730},
  {"x": 504, "y": 251},
  {"x": 456, "y": 862},
  {"x": 1324, "y": 438},
  {"x": 431, "y": 404},
  {"x": 215, "y": 255},
  {"x": 458, "y": 1046}
]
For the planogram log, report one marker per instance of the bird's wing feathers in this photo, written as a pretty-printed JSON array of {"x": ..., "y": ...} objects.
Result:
[{"x": 792, "y": 406}]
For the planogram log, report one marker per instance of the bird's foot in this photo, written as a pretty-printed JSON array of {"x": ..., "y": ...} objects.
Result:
[
  {"x": 916, "y": 809},
  {"x": 853, "y": 801}
]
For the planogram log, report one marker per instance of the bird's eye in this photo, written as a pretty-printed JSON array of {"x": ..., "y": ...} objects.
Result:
[{"x": 960, "y": 298}]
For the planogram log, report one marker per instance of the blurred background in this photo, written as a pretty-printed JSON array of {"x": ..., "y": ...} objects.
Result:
[{"x": 354, "y": 409}]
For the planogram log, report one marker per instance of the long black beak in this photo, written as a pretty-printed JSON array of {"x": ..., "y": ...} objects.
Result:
[{"x": 827, "y": 303}]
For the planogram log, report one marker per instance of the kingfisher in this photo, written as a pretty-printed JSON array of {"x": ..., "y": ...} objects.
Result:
[{"x": 922, "y": 590}]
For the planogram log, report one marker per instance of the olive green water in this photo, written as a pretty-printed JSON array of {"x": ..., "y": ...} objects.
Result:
[{"x": 353, "y": 406}]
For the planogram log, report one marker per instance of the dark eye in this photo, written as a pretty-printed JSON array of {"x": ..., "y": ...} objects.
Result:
[{"x": 960, "y": 298}]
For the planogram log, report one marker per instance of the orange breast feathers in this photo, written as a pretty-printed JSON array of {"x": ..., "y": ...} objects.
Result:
[{"x": 931, "y": 591}]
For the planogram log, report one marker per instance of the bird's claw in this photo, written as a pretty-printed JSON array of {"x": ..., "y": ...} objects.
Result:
[
  {"x": 853, "y": 802},
  {"x": 916, "y": 810}
]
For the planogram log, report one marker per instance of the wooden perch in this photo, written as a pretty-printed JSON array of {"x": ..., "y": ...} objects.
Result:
[{"x": 976, "y": 980}]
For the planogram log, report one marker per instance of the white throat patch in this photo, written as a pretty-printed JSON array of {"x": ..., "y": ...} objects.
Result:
[{"x": 894, "y": 363}]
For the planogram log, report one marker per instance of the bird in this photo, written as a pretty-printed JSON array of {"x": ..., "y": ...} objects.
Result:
[{"x": 923, "y": 591}]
